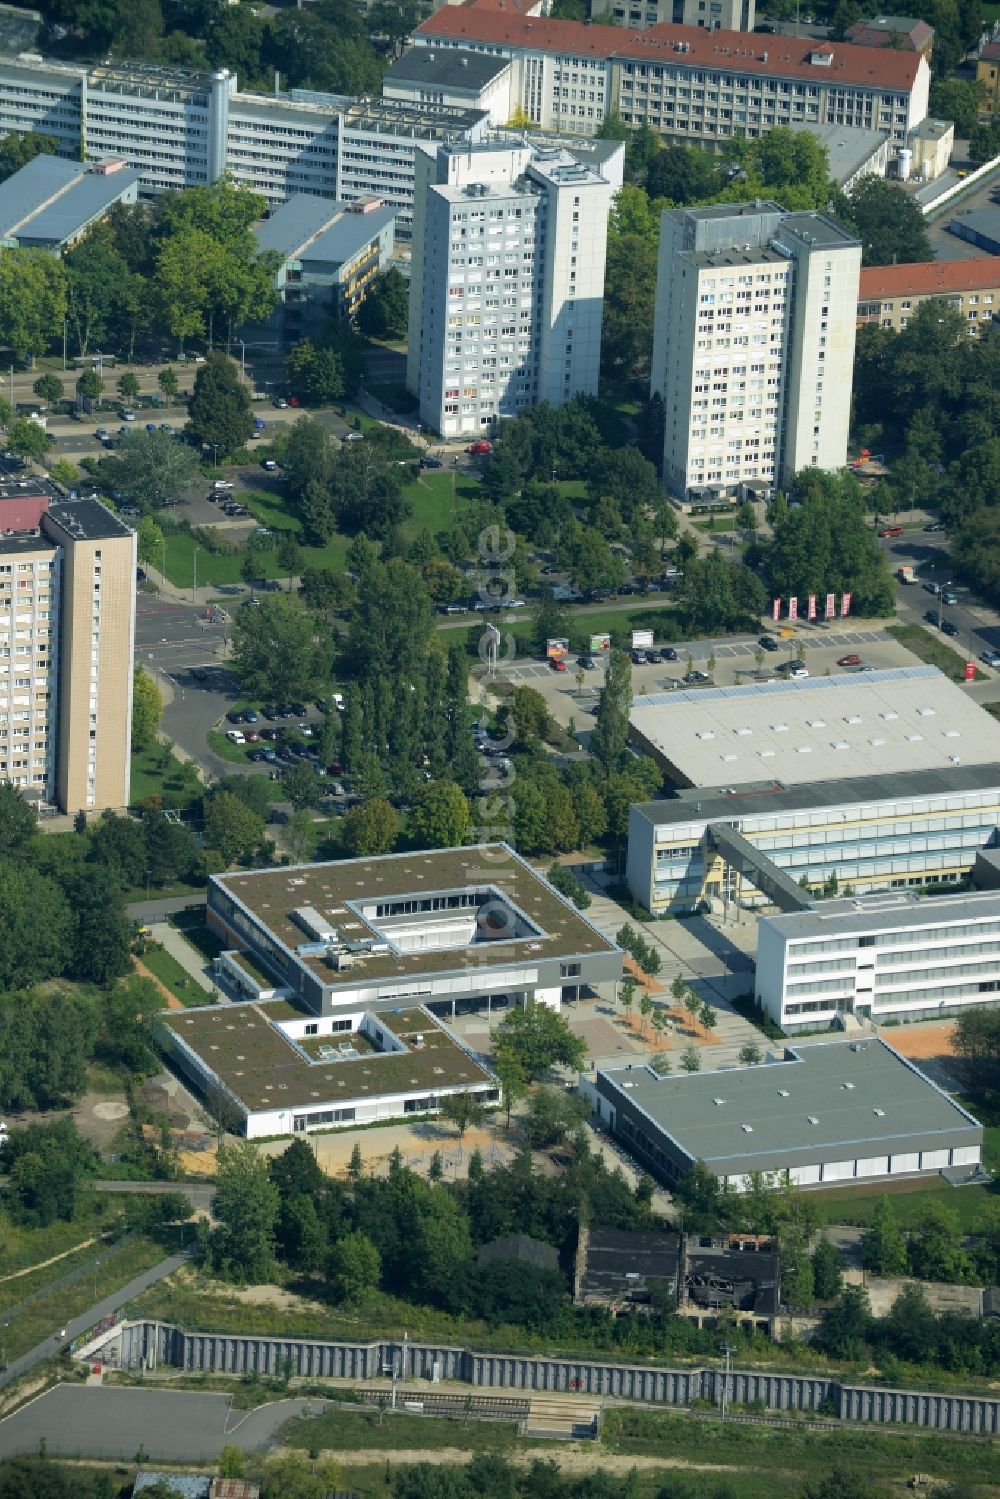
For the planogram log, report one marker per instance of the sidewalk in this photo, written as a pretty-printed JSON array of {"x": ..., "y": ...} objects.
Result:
[{"x": 187, "y": 956}]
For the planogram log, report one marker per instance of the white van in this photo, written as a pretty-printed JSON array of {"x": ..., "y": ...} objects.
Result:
[{"x": 235, "y": 736}]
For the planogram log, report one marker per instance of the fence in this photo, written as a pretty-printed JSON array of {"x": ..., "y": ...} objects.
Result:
[{"x": 152, "y": 1345}]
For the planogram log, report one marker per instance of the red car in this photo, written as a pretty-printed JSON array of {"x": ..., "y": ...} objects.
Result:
[
  {"x": 849, "y": 661},
  {"x": 476, "y": 449},
  {"x": 890, "y": 531},
  {"x": 558, "y": 664}
]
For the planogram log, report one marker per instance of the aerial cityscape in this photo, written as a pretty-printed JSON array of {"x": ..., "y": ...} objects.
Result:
[{"x": 499, "y": 749}]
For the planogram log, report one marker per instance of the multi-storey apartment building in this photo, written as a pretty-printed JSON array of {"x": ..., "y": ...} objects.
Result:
[
  {"x": 508, "y": 271},
  {"x": 729, "y": 15},
  {"x": 753, "y": 345},
  {"x": 688, "y": 83},
  {"x": 890, "y": 294},
  {"x": 67, "y": 629},
  {"x": 180, "y": 129}
]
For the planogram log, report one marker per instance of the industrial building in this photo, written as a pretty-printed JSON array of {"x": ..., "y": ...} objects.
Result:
[
  {"x": 889, "y": 295},
  {"x": 851, "y": 152},
  {"x": 879, "y": 957},
  {"x": 49, "y": 203},
  {"x": 330, "y": 253},
  {"x": 629, "y": 1270},
  {"x": 824, "y": 1112},
  {"x": 509, "y": 246},
  {"x": 979, "y": 227},
  {"x": 67, "y": 633},
  {"x": 802, "y": 730},
  {"x": 446, "y": 928},
  {"x": 692, "y": 84},
  {"x": 753, "y": 346}
]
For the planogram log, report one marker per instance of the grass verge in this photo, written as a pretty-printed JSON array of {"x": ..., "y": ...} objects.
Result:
[
  {"x": 175, "y": 977},
  {"x": 929, "y": 648},
  {"x": 804, "y": 1453},
  {"x": 155, "y": 774},
  {"x": 47, "y": 1314},
  {"x": 392, "y": 1431}
]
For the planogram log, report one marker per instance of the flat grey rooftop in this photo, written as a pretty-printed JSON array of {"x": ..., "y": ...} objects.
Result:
[
  {"x": 984, "y": 221},
  {"x": 29, "y": 189},
  {"x": 447, "y": 67},
  {"x": 769, "y": 798},
  {"x": 297, "y": 221},
  {"x": 891, "y": 912},
  {"x": 817, "y": 728},
  {"x": 847, "y": 147},
  {"x": 87, "y": 520},
  {"x": 349, "y": 235},
  {"x": 854, "y": 1095}
]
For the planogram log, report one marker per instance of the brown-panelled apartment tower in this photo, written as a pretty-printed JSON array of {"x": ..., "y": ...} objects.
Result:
[{"x": 67, "y": 632}]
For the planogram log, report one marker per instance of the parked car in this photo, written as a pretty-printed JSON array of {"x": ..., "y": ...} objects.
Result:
[
  {"x": 250, "y": 715},
  {"x": 235, "y": 736},
  {"x": 638, "y": 658},
  {"x": 934, "y": 588},
  {"x": 668, "y": 653},
  {"x": 949, "y": 627},
  {"x": 478, "y": 449},
  {"x": 949, "y": 596},
  {"x": 150, "y": 426},
  {"x": 586, "y": 662},
  {"x": 933, "y": 618},
  {"x": 692, "y": 677},
  {"x": 167, "y": 428},
  {"x": 990, "y": 657},
  {"x": 280, "y": 403},
  {"x": 653, "y": 658},
  {"x": 126, "y": 413},
  {"x": 223, "y": 484},
  {"x": 797, "y": 669},
  {"x": 767, "y": 643},
  {"x": 270, "y": 465},
  {"x": 298, "y": 710},
  {"x": 428, "y": 462},
  {"x": 935, "y": 525},
  {"x": 888, "y": 532},
  {"x": 557, "y": 663},
  {"x": 235, "y": 715},
  {"x": 354, "y": 436},
  {"x": 852, "y": 660}
]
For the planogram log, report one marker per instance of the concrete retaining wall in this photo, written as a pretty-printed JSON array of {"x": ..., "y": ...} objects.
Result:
[{"x": 155, "y": 1345}]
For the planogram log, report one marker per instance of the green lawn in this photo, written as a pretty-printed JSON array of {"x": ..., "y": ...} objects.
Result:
[
  {"x": 396, "y": 1431},
  {"x": 173, "y": 781},
  {"x": 176, "y": 978},
  {"x": 974, "y": 1205},
  {"x": 48, "y": 1313},
  {"x": 927, "y": 646},
  {"x": 436, "y": 497}
]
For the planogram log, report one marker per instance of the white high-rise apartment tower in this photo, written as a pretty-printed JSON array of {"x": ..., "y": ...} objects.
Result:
[
  {"x": 507, "y": 286},
  {"x": 753, "y": 345}
]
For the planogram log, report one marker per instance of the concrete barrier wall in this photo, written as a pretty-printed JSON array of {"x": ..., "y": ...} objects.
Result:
[{"x": 153, "y": 1345}]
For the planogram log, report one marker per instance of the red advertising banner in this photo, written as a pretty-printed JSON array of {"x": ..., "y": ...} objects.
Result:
[
  {"x": 793, "y": 608},
  {"x": 970, "y": 671},
  {"x": 812, "y": 606},
  {"x": 831, "y": 605},
  {"x": 845, "y": 605},
  {"x": 776, "y": 609}
]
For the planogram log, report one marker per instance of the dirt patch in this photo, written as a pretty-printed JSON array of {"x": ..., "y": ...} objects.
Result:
[
  {"x": 571, "y": 1458},
  {"x": 918, "y": 1041},
  {"x": 171, "y": 1000}
]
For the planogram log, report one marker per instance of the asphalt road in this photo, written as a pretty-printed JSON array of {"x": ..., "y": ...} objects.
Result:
[
  {"x": 168, "y": 1425},
  {"x": 148, "y": 911},
  {"x": 78, "y": 1325},
  {"x": 978, "y": 625}
]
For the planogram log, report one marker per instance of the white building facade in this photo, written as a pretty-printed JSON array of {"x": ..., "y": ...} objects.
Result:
[
  {"x": 508, "y": 278},
  {"x": 753, "y": 345},
  {"x": 899, "y": 957}
]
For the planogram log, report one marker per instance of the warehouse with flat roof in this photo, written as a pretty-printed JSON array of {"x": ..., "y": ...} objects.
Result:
[
  {"x": 825, "y": 1113},
  {"x": 815, "y": 728}
]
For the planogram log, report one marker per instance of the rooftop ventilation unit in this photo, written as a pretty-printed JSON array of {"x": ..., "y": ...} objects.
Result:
[{"x": 313, "y": 924}]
